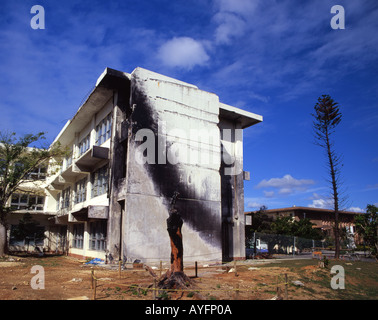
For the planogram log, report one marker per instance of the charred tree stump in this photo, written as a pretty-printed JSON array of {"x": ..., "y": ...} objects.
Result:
[
  {"x": 174, "y": 225},
  {"x": 175, "y": 278}
]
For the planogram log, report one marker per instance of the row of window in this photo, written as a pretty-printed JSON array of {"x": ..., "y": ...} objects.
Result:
[
  {"x": 97, "y": 236},
  {"x": 27, "y": 202},
  {"x": 38, "y": 173},
  {"x": 99, "y": 180},
  {"x": 103, "y": 133}
]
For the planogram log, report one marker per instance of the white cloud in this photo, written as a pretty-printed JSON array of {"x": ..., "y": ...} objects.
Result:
[
  {"x": 269, "y": 194},
  {"x": 254, "y": 204},
  {"x": 232, "y": 18},
  {"x": 322, "y": 204},
  {"x": 229, "y": 26},
  {"x": 356, "y": 209},
  {"x": 286, "y": 185},
  {"x": 183, "y": 52}
]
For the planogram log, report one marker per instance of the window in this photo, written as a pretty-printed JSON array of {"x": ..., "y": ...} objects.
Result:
[
  {"x": 25, "y": 237},
  {"x": 100, "y": 181},
  {"x": 36, "y": 202},
  {"x": 68, "y": 160},
  {"x": 37, "y": 173},
  {"x": 84, "y": 145},
  {"x": 104, "y": 130},
  {"x": 58, "y": 202},
  {"x": 81, "y": 190},
  {"x": 66, "y": 198},
  {"x": 19, "y": 201},
  {"x": 97, "y": 239},
  {"x": 27, "y": 202},
  {"x": 78, "y": 236}
]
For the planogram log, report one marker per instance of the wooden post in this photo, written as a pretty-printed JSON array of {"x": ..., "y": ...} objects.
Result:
[
  {"x": 236, "y": 273},
  {"x": 92, "y": 278},
  {"x": 119, "y": 267},
  {"x": 237, "y": 292},
  {"x": 286, "y": 286},
  {"x": 154, "y": 290},
  {"x": 161, "y": 268},
  {"x": 94, "y": 289},
  {"x": 196, "y": 269},
  {"x": 277, "y": 285}
]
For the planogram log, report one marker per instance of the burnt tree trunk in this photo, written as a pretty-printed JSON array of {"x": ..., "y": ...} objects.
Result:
[
  {"x": 175, "y": 278},
  {"x": 174, "y": 224}
]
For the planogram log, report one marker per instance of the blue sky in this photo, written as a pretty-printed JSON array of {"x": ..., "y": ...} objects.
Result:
[{"x": 273, "y": 58}]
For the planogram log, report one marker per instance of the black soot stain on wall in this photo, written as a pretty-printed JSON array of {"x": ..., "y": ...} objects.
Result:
[{"x": 200, "y": 215}]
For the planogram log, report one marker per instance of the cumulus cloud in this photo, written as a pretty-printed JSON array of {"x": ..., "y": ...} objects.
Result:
[
  {"x": 286, "y": 185},
  {"x": 322, "y": 204},
  {"x": 183, "y": 52}
]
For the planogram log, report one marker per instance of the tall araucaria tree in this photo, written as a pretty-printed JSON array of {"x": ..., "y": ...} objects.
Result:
[
  {"x": 18, "y": 158},
  {"x": 327, "y": 117}
]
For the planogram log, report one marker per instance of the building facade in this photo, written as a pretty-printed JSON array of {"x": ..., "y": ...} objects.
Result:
[
  {"x": 322, "y": 219},
  {"x": 136, "y": 140}
]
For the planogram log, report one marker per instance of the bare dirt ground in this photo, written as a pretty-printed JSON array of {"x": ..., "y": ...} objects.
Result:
[{"x": 70, "y": 278}]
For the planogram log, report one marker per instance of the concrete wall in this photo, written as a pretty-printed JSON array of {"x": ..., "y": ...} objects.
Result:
[
  {"x": 161, "y": 101},
  {"x": 232, "y": 190}
]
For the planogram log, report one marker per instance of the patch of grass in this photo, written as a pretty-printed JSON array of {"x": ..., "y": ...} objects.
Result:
[{"x": 361, "y": 279}]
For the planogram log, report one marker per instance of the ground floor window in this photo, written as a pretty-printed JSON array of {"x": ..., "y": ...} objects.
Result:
[
  {"x": 26, "y": 235},
  {"x": 97, "y": 239},
  {"x": 78, "y": 236}
]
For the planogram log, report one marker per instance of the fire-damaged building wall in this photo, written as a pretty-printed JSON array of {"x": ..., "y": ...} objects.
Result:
[
  {"x": 173, "y": 137},
  {"x": 159, "y": 136},
  {"x": 167, "y": 154}
]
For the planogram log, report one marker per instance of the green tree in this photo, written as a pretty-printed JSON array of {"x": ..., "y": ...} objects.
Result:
[
  {"x": 28, "y": 230},
  {"x": 327, "y": 117},
  {"x": 18, "y": 158},
  {"x": 303, "y": 228},
  {"x": 367, "y": 228}
]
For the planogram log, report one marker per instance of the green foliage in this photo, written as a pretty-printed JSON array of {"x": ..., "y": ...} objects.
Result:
[
  {"x": 18, "y": 158},
  {"x": 367, "y": 228},
  {"x": 28, "y": 229},
  {"x": 327, "y": 116}
]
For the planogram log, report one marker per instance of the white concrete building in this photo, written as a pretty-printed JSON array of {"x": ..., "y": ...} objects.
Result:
[{"x": 136, "y": 140}]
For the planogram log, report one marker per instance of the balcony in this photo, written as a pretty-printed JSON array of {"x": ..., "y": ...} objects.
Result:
[
  {"x": 88, "y": 161},
  {"x": 85, "y": 164},
  {"x": 90, "y": 212}
]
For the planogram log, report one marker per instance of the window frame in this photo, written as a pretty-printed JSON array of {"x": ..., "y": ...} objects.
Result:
[
  {"x": 98, "y": 235},
  {"x": 104, "y": 130},
  {"x": 78, "y": 236}
]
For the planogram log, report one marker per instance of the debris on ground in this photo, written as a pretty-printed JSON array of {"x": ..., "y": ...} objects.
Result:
[
  {"x": 96, "y": 261},
  {"x": 298, "y": 283}
]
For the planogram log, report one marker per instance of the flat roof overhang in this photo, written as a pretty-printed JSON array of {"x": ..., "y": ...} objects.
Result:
[
  {"x": 91, "y": 212},
  {"x": 245, "y": 118},
  {"x": 109, "y": 81},
  {"x": 91, "y": 158}
]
